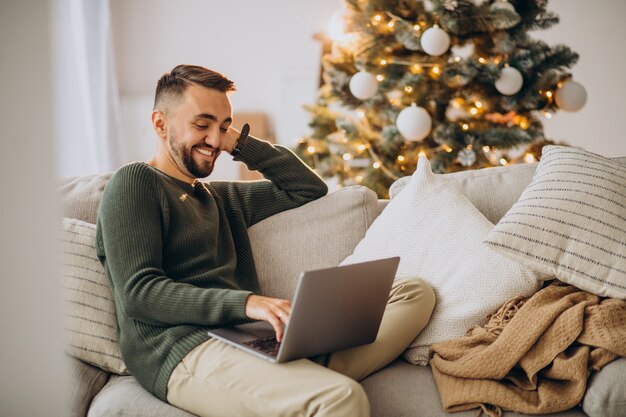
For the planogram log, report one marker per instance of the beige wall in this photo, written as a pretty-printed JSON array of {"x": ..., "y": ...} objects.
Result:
[
  {"x": 267, "y": 48},
  {"x": 32, "y": 379}
]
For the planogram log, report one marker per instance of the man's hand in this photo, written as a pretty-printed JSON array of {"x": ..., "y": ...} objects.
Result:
[
  {"x": 232, "y": 135},
  {"x": 272, "y": 310}
]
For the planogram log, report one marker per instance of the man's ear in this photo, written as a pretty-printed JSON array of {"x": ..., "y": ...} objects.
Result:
[{"x": 159, "y": 123}]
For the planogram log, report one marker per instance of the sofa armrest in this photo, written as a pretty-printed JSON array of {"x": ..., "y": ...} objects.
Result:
[
  {"x": 85, "y": 382},
  {"x": 317, "y": 235}
]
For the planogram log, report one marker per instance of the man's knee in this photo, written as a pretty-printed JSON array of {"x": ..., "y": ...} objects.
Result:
[
  {"x": 418, "y": 290},
  {"x": 351, "y": 400}
]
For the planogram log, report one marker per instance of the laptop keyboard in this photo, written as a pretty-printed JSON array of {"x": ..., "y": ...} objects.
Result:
[{"x": 267, "y": 345}]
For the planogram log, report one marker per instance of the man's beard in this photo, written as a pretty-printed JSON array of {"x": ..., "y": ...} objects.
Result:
[{"x": 185, "y": 155}]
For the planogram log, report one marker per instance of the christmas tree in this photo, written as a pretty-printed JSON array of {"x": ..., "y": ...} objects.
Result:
[{"x": 458, "y": 80}]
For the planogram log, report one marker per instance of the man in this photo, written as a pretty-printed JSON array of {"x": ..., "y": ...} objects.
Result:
[{"x": 177, "y": 253}]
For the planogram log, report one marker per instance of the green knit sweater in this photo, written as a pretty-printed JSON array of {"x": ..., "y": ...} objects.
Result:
[{"x": 178, "y": 256}]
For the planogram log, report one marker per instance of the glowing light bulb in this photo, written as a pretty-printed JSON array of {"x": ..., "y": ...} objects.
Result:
[
  {"x": 416, "y": 68},
  {"x": 503, "y": 161},
  {"x": 360, "y": 114},
  {"x": 436, "y": 69},
  {"x": 549, "y": 94},
  {"x": 464, "y": 126},
  {"x": 478, "y": 104},
  {"x": 446, "y": 148},
  {"x": 359, "y": 178},
  {"x": 383, "y": 61},
  {"x": 391, "y": 24},
  {"x": 408, "y": 88},
  {"x": 347, "y": 156},
  {"x": 529, "y": 158},
  {"x": 376, "y": 165},
  {"x": 401, "y": 158},
  {"x": 482, "y": 60},
  {"x": 311, "y": 149},
  {"x": 416, "y": 27},
  {"x": 361, "y": 147},
  {"x": 473, "y": 110},
  {"x": 380, "y": 77},
  {"x": 486, "y": 149}
]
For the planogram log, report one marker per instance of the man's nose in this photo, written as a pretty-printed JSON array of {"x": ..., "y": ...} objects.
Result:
[{"x": 214, "y": 138}]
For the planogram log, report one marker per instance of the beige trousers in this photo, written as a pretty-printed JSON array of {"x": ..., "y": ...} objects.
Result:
[{"x": 216, "y": 379}]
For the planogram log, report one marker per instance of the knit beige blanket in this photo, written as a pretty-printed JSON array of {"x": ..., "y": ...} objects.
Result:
[{"x": 534, "y": 355}]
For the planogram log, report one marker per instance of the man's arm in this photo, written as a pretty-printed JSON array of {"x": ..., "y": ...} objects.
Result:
[
  {"x": 289, "y": 182},
  {"x": 130, "y": 244}
]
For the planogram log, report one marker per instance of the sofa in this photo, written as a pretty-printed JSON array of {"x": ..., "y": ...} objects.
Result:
[{"x": 317, "y": 235}]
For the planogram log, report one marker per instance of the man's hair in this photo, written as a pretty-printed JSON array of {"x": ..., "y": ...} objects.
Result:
[{"x": 172, "y": 85}]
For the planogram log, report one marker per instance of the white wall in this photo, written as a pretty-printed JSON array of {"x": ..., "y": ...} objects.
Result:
[{"x": 267, "y": 48}]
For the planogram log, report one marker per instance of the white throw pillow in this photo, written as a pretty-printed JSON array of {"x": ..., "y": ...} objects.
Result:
[
  {"x": 571, "y": 221},
  {"x": 438, "y": 234},
  {"x": 90, "y": 318}
]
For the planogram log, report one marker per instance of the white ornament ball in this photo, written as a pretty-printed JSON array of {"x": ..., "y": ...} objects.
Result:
[
  {"x": 363, "y": 85},
  {"x": 414, "y": 123},
  {"x": 435, "y": 41},
  {"x": 571, "y": 96},
  {"x": 502, "y": 5},
  {"x": 510, "y": 81}
]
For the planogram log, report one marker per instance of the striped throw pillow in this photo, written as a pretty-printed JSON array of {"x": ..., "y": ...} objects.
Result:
[
  {"x": 89, "y": 312},
  {"x": 570, "y": 222}
]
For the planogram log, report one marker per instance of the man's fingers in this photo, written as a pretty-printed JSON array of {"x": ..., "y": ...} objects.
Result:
[{"x": 278, "y": 327}]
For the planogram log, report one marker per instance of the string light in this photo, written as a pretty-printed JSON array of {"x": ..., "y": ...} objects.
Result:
[
  {"x": 503, "y": 161},
  {"x": 529, "y": 158},
  {"x": 401, "y": 158},
  {"x": 464, "y": 126},
  {"x": 416, "y": 27},
  {"x": 446, "y": 148},
  {"x": 361, "y": 147},
  {"x": 416, "y": 68},
  {"x": 478, "y": 104},
  {"x": 391, "y": 24},
  {"x": 311, "y": 149},
  {"x": 347, "y": 156},
  {"x": 482, "y": 60},
  {"x": 474, "y": 110},
  {"x": 360, "y": 114},
  {"x": 486, "y": 149},
  {"x": 408, "y": 89},
  {"x": 376, "y": 165},
  {"x": 383, "y": 62},
  {"x": 380, "y": 77}
]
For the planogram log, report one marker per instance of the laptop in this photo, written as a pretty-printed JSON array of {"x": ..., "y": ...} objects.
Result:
[{"x": 332, "y": 309}]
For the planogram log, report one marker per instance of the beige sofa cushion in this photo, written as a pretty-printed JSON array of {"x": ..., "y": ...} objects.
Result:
[
  {"x": 123, "y": 396},
  {"x": 438, "y": 235},
  {"x": 491, "y": 190},
  {"x": 317, "y": 235},
  {"x": 571, "y": 222},
  {"x": 80, "y": 196},
  {"x": 606, "y": 391},
  {"x": 90, "y": 318}
]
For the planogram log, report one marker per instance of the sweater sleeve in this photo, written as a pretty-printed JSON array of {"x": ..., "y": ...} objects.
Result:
[
  {"x": 289, "y": 182},
  {"x": 129, "y": 237}
]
